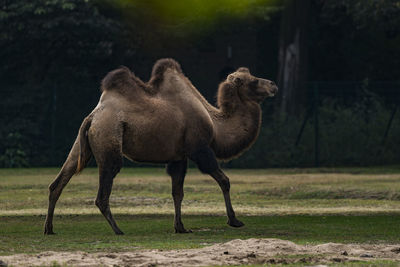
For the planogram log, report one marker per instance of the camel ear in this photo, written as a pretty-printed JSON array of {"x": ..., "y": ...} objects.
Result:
[{"x": 243, "y": 69}]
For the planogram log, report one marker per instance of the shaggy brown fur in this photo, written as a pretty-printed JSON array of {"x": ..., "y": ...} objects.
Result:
[
  {"x": 165, "y": 120},
  {"x": 124, "y": 81},
  {"x": 157, "y": 74}
]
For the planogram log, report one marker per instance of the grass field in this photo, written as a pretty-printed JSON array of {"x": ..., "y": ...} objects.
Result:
[{"x": 306, "y": 206}]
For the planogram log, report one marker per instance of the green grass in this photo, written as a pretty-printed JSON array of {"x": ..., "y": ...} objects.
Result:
[
  {"x": 92, "y": 233},
  {"x": 254, "y": 192},
  {"x": 302, "y": 205}
]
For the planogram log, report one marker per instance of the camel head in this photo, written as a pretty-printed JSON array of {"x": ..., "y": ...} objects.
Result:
[{"x": 250, "y": 87}]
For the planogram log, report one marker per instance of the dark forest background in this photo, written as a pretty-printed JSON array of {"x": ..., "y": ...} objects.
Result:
[{"x": 337, "y": 64}]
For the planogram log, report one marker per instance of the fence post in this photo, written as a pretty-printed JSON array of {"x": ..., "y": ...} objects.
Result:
[
  {"x": 388, "y": 126},
  {"x": 316, "y": 126},
  {"x": 303, "y": 125}
]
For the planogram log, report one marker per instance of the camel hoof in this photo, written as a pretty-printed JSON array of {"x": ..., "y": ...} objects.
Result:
[
  {"x": 183, "y": 231},
  {"x": 235, "y": 223}
]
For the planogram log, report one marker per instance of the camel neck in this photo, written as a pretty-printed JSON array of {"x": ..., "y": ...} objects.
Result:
[{"x": 236, "y": 130}]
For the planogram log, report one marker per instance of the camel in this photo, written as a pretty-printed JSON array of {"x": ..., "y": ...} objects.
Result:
[{"x": 165, "y": 120}]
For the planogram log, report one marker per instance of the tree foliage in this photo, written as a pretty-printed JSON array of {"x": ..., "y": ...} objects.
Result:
[
  {"x": 52, "y": 50},
  {"x": 378, "y": 14},
  {"x": 55, "y": 52},
  {"x": 356, "y": 40}
]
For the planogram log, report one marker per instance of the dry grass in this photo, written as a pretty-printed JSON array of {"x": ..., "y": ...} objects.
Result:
[
  {"x": 304, "y": 206},
  {"x": 254, "y": 192}
]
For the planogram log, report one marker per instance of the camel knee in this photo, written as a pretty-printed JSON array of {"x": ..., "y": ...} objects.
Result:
[
  {"x": 177, "y": 194},
  {"x": 63, "y": 176},
  {"x": 53, "y": 185},
  {"x": 56, "y": 182},
  {"x": 225, "y": 184},
  {"x": 101, "y": 204},
  {"x": 54, "y": 192}
]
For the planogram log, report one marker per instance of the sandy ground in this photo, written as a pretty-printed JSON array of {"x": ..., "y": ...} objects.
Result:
[{"x": 250, "y": 251}]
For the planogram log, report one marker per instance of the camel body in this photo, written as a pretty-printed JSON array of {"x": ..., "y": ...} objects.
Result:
[
  {"x": 164, "y": 121},
  {"x": 157, "y": 128},
  {"x": 176, "y": 113}
]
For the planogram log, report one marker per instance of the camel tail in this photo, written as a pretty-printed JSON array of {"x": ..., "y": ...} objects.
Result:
[{"x": 84, "y": 148}]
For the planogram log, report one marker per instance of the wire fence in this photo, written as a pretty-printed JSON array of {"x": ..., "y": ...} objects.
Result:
[
  {"x": 342, "y": 123},
  {"x": 372, "y": 99}
]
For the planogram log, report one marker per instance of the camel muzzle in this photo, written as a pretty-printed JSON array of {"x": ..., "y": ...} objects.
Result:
[
  {"x": 273, "y": 90},
  {"x": 269, "y": 86}
]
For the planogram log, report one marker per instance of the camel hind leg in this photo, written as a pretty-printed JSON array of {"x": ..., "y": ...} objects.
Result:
[
  {"x": 109, "y": 166},
  {"x": 106, "y": 146},
  {"x": 56, "y": 187}
]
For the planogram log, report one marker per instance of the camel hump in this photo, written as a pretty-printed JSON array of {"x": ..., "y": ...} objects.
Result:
[
  {"x": 163, "y": 64},
  {"x": 160, "y": 67},
  {"x": 118, "y": 79}
]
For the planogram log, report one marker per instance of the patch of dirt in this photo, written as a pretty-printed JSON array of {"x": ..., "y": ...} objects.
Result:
[{"x": 250, "y": 251}]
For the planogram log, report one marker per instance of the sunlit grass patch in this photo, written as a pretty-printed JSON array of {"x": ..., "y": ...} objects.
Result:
[
  {"x": 253, "y": 192},
  {"x": 304, "y": 206}
]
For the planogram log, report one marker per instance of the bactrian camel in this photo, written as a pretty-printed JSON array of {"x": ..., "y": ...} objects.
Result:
[{"x": 165, "y": 120}]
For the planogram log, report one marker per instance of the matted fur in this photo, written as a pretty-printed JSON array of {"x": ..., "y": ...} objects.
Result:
[
  {"x": 159, "y": 68},
  {"x": 122, "y": 80},
  {"x": 227, "y": 97}
]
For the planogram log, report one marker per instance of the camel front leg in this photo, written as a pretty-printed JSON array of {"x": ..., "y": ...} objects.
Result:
[
  {"x": 207, "y": 163},
  {"x": 225, "y": 185},
  {"x": 177, "y": 171}
]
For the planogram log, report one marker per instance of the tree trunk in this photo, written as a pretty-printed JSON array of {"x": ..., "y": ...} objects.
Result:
[{"x": 292, "y": 72}]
